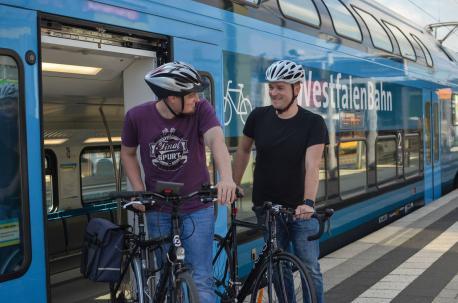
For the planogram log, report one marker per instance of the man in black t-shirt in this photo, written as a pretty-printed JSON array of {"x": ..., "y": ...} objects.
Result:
[{"x": 289, "y": 145}]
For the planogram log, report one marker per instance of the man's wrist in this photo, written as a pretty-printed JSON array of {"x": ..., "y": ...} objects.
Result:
[{"x": 309, "y": 202}]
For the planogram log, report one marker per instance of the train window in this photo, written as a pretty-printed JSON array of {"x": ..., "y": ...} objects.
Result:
[
  {"x": 352, "y": 167},
  {"x": 303, "y": 11},
  {"x": 52, "y": 196},
  {"x": 455, "y": 110},
  {"x": 436, "y": 137},
  {"x": 386, "y": 159},
  {"x": 411, "y": 155},
  {"x": 12, "y": 239},
  {"x": 344, "y": 22},
  {"x": 378, "y": 34},
  {"x": 404, "y": 44},
  {"x": 97, "y": 173},
  {"x": 424, "y": 49},
  {"x": 244, "y": 205},
  {"x": 427, "y": 128},
  {"x": 207, "y": 94}
]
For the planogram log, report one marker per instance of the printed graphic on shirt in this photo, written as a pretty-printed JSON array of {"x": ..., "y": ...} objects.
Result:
[{"x": 169, "y": 151}]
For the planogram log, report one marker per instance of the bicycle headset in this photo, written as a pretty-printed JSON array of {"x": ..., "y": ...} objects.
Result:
[
  {"x": 174, "y": 79},
  {"x": 285, "y": 71}
]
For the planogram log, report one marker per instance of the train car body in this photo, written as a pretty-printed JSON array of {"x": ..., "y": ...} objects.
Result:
[{"x": 387, "y": 90}]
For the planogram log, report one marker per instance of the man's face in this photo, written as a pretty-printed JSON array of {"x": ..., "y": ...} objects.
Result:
[
  {"x": 281, "y": 93},
  {"x": 190, "y": 101},
  {"x": 8, "y": 107}
]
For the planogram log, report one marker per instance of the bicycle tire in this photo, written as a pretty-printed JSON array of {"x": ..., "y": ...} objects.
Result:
[
  {"x": 221, "y": 267},
  {"x": 283, "y": 262},
  {"x": 185, "y": 289}
]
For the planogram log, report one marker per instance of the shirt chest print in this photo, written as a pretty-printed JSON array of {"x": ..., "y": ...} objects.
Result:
[{"x": 169, "y": 150}]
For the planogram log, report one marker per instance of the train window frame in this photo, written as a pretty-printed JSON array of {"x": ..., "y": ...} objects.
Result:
[
  {"x": 99, "y": 148},
  {"x": 396, "y": 176},
  {"x": 345, "y": 196},
  {"x": 334, "y": 24},
  {"x": 51, "y": 170},
  {"x": 24, "y": 222},
  {"x": 358, "y": 11},
  {"x": 419, "y": 171},
  {"x": 254, "y": 3},
  {"x": 317, "y": 26},
  {"x": 402, "y": 53},
  {"x": 425, "y": 51}
]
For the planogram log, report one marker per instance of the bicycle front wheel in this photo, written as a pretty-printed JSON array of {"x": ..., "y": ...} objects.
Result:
[
  {"x": 288, "y": 281},
  {"x": 185, "y": 289}
]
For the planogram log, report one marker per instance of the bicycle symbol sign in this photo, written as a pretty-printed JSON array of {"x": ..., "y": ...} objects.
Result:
[{"x": 242, "y": 108}]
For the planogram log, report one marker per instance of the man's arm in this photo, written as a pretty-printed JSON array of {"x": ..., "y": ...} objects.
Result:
[
  {"x": 242, "y": 156},
  {"x": 312, "y": 177},
  {"x": 132, "y": 167},
  {"x": 214, "y": 139}
]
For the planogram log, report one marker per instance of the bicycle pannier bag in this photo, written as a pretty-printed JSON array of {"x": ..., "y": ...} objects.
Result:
[{"x": 102, "y": 251}]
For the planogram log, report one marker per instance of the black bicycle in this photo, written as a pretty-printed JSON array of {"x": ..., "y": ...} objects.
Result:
[
  {"x": 273, "y": 271},
  {"x": 170, "y": 282}
]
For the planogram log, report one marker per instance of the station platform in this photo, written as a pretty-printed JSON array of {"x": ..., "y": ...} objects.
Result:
[{"x": 414, "y": 259}]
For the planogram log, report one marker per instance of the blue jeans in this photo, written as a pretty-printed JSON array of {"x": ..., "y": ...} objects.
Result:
[
  {"x": 197, "y": 229},
  {"x": 295, "y": 232}
]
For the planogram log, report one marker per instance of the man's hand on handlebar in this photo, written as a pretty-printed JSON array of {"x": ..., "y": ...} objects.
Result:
[
  {"x": 304, "y": 212},
  {"x": 226, "y": 191}
]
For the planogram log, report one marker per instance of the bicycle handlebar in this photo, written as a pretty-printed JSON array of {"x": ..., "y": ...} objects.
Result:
[
  {"x": 207, "y": 194},
  {"x": 320, "y": 215}
]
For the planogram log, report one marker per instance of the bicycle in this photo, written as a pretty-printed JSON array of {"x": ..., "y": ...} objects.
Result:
[
  {"x": 173, "y": 280},
  {"x": 273, "y": 267},
  {"x": 243, "y": 107}
]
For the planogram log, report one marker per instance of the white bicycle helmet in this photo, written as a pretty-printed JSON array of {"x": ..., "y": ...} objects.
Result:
[
  {"x": 174, "y": 79},
  {"x": 285, "y": 71}
]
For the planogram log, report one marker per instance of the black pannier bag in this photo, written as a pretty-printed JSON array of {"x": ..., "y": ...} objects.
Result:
[{"x": 102, "y": 251}]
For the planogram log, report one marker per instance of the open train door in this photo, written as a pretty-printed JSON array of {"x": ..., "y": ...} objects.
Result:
[
  {"x": 22, "y": 248},
  {"x": 207, "y": 59},
  {"x": 431, "y": 145}
]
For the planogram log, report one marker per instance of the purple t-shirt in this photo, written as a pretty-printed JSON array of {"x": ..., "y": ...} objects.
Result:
[{"x": 171, "y": 149}]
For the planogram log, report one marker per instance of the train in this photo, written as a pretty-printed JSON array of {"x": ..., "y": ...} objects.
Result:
[{"x": 69, "y": 70}]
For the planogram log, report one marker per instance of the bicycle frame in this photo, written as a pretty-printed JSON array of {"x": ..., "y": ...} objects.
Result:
[
  {"x": 175, "y": 255},
  {"x": 236, "y": 288}
]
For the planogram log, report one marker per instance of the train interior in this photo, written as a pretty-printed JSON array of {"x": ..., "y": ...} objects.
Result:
[{"x": 90, "y": 76}]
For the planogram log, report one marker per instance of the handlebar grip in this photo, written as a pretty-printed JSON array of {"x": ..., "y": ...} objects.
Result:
[{"x": 322, "y": 217}]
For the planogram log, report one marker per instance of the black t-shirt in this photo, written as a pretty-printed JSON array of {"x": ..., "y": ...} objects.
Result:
[{"x": 280, "y": 153}]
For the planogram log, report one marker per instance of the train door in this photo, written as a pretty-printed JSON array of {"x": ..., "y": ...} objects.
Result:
[
  {"x": 431, "y": 146},
  {"x": 22, "y": 247},
  {"x": 207, "y": 59}
]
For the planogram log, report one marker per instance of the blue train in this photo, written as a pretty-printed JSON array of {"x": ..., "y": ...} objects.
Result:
[{"x": 69, "y": 70}]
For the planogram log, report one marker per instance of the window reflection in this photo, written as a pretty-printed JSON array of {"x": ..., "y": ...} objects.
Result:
[
  {"x": 379, "y": 36},
  {"x": 97, "y": 174},
  {"x": 386, "y": 159},
  {"x": 11, "y": 238},
  {"x": 352, "y": 167},
  {"x": 301, "y": 10},
  {"x": 344, "y": 22},
  {"x": 412, "y": 154},
  {"x": 405, "y": 47}
]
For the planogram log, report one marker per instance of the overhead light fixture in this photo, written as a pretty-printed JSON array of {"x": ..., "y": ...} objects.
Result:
[
  {"x": 70, "y": 69},
  {"x": 102, "y": 140},
  {"x": 55, "y": 141}
]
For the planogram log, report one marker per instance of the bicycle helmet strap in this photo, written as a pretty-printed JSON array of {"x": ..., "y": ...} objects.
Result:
[
  {"x": 281, "y": 111},
  {"x": 170, "y": 108}
]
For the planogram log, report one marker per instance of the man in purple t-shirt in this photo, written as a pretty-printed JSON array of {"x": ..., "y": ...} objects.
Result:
[{"x": 172, "y": 134}]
